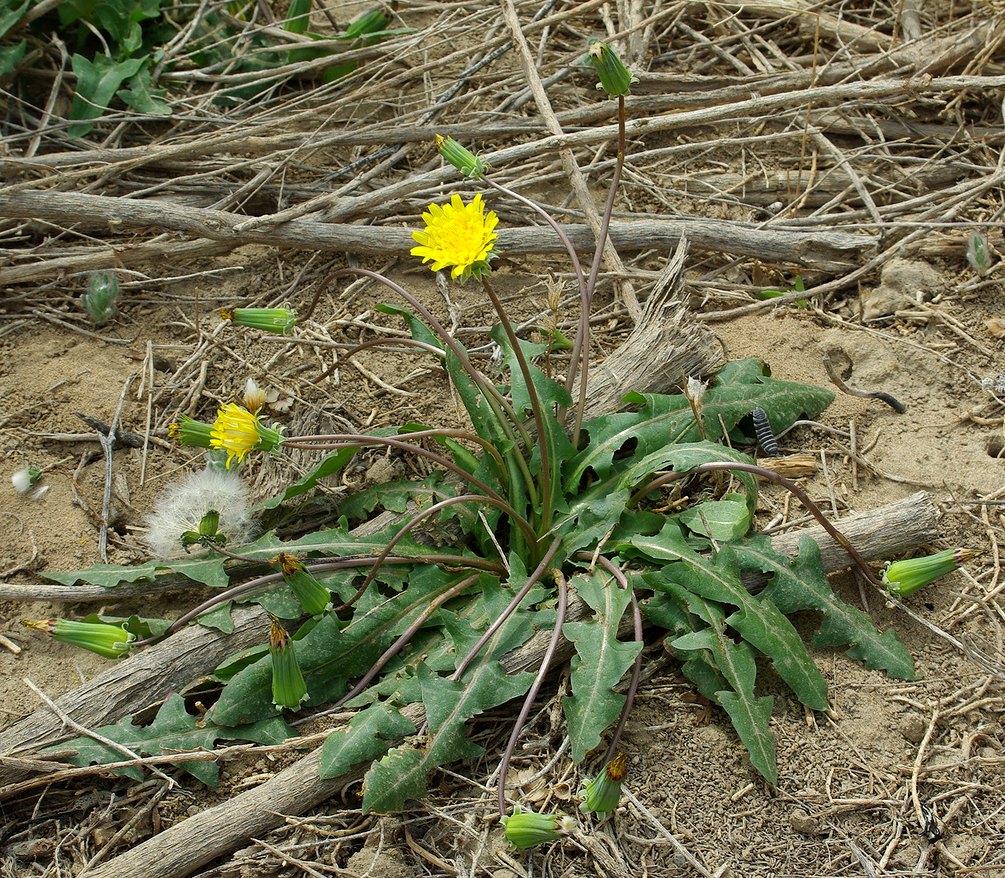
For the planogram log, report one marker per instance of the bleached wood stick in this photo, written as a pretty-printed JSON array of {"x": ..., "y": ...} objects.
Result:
[{"x": 824, "y": 251}]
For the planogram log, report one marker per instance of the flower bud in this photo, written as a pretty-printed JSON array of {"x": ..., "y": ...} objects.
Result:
[
  {"x": 461, "y": 158},
  {"x": 100, "y": 299},
  {"x": 278, "y": 320},
  {"x": 207, "y": 534},
  {"x": 188, "y": 431},
  {"x": 903, "y": 578},
  {"x": 614, "y": 77},
  {"x": 110, "y": 641},
  {"x": 288, "y": 687},
  {"x": 525, "y": 829},
  {"x": 313, "y": 596},
  {"x": 254, "y": 396},
  {"x": 603, "y": 793}
]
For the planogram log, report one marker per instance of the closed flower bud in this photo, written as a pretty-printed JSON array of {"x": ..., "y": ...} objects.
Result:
[
  {"x": 525, "y": 829},
  {"x": 288, "y": 687},
  {"x": 313, "y": 596},
  {"x": 110, "y": 641},
  {"x": 906, "y": 577},
  {"x": 614, "y": 77},
  {"x": 188, "y": 431},
  {"x": 207, "y": 533},
  {"x": 463, "y": 159},
  {"x": 603, "y": 793},
  {"x": 254, "y": 396},
  {"x": 278, "y": 320}
]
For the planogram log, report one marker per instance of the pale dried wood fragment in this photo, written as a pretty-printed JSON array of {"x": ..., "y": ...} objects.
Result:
[{"x": 825, "y": 251}]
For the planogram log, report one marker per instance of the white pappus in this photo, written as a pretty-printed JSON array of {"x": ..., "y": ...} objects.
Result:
[{"x": 182, "y": 506}]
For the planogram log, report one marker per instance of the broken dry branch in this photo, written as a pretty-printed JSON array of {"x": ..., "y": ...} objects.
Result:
[{"x": 824, "y": 251}]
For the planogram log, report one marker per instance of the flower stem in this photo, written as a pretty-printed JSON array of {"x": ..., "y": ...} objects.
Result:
[
  {"x": 532, "y": 580},
  {"x": 398, "y": 644},
  {"x": 535, "y": 407},
  {"x": 581, "y": 346},
  {"x": 426, "y": 513},
  {"x": 330, "y": 441},
  {"x": 528, "y": 702}
]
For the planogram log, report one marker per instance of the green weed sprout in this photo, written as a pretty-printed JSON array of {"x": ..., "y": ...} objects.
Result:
[
  {"x": 100, "y": 300},
  {"x": 977, "y": 253},
  {"x": 574, "y": 529}
]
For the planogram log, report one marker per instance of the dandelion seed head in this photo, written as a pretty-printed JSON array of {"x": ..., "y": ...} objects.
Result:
[{"x": 182, "y": 506}]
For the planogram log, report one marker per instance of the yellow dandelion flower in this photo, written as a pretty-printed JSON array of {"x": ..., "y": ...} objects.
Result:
[
  {"x": 237, "y": 431},
  {"x": 457, "y": 234}
]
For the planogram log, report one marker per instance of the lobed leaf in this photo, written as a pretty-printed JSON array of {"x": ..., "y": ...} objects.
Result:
[
  {"x": 172, "y": 730},
  {"x": 750, "y": 715},
  {"x": 600, "y": 662},
  {"x": 371, "y": 732},
  {"x": 802, "y": 585}
]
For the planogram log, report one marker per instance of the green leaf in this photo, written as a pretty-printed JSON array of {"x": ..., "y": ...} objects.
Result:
[
  {"x": 402, "y": 774},
  {"x": 802, "y": 585},
  {"x": 207, "y": 570},
  {"x": 600, "y": 662},
  {"x": 11, "y": 15},
  {"x": 298, "y": 17},
  {"x": 331, "y": 656},
  {"x": 173, "y": 729},
  {"x": 396, "y": 497},
  {"x": 750, "y": 715},
  {"x": 10, "y": 57},
  {"x": 370, "y": 733},
  {"x": 142, "y": 97},
  {"x": 219, "y": 618},
  {"x": 97, "y": 83},
  {"x": 758, "y": 621},
  {"x": 668, "y": 419},
  {"x": 723, "y": 520}
]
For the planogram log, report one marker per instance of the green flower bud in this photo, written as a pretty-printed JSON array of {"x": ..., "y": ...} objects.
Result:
[
  {"x": 903, "y": 578},
  {"x": 110, "y": 641},
  {"x": 614, "y": 77},
  {"x": 368, "y": 23},
  {"x": 603, "y": 793},
  {"x": 278, "y": 320},
  {"x": 288, "y": 687},
  {"x": 313, "y": 596},
  {"x": 208, "y": 532},
  {"x": 188, "y": 431},
  {"x": 525, "y": 829},
  {"x": 463, "y": 159}
]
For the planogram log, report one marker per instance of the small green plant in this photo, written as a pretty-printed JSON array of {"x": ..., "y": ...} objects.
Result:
[
  {"x": 642, "y": 515},
  {"x": 102, "y": 296},
  {"x": 118, "y": 49}
]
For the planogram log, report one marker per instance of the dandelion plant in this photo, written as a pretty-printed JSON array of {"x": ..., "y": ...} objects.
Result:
[{"x": 585, "y": 530}]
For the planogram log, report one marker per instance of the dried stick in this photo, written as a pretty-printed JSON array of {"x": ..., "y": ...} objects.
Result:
[{"x": 825, "y": 251}]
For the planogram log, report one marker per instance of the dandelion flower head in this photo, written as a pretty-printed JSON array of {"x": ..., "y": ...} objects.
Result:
[
  {"x": 458, "y": 235},
  {"x": 235, "y": 431}
]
